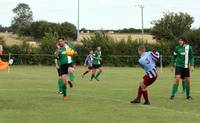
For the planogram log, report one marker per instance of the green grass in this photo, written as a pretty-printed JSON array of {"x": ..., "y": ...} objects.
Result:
[{"x": 28, "y": 95}]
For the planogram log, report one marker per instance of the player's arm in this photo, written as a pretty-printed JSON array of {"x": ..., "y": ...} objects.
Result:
[
  {"x": 56, "y": 63},
  {"x": 57, "y": 52},
  {"x": 175, "y": 53},
  {"x": 140, "y": 64},
  {"x": 95, "y": 57},
  {"x": 173, "y": 60},
  {"x": 191, "y": 58},
  {"x": 155, "y": 56},
  {"x": 86, "y": 60}
]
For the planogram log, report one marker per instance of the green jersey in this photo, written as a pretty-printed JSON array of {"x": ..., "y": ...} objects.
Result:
[
  {"x": 97, "y": 54},
  {"x": 183, "y": 56},
  {"x": 64, "y": 59}
]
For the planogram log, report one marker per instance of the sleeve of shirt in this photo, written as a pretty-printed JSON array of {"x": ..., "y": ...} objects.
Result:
[
  {"x": 95, "y": 54},
  {"x": 55, "y": 57},
  {"x": 86, "y": 60},
  {"x": 191, "y": 56},
  {"x": 140, "y": 63},
  {"x": 155, "y": 56},
  {"x": 174, "y": 55}
]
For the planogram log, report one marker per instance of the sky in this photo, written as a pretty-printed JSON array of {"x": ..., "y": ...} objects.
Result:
[{"x": 98, "y": 14}]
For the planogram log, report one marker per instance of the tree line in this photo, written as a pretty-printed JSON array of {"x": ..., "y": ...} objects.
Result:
[
  {"x": 24, "y": 25},
  {"x": 165, "y": 30}
]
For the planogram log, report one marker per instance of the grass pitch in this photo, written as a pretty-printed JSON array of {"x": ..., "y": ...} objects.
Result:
[{"x": 28, "y": 95}]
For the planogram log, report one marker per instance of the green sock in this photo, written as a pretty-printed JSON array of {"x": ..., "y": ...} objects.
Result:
[
  {"x": 183, "y": 85},
  {"x": 174, "y": 89},
  {"x": 92, "y": 76},
  {"x": 187, "y": 89},
  {"x": 60, "y": 85},
  {"x": 64, "y": 88},
  {"x": 71, "y": 76},
  {"x": 98, "y": 74}
]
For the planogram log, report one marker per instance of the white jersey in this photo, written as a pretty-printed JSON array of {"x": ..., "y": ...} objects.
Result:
[{"x": 69, "y": 57}]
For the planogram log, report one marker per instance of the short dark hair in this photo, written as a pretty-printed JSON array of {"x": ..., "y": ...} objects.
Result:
[
  {"x": 61, "y": 37},
  {"x": 141, "y": 48},
  {"x": 183, "y": 38}
]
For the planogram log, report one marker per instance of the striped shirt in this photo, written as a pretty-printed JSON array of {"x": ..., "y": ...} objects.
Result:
[
  {"x": 89, "y": 60},
  {"x": 148, "y": 62}
]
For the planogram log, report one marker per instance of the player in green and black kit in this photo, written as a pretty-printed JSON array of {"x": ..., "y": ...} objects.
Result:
[
  {"x": 57, "y": 64},
  {"x": 97, "y": 64},
  {"x": 183, "y": 60},
  {"x": 65, "y": 64}
]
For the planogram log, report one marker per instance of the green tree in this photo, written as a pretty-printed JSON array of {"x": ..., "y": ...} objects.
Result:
[
  {"x": 48, "y": 43},
  {"x": 22, "y": 20},
  {"x": 68, "y": 30},
  {"x": 38, "y": 29},
  {"x": 194, "y": 39},
  {"x": 171, "y": 26},
  {"x": 2, "y": 42}
]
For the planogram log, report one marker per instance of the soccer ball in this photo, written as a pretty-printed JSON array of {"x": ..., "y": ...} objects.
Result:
[
  {"x": 70, "y": 52},
  {"x": 11, "y": 61}
]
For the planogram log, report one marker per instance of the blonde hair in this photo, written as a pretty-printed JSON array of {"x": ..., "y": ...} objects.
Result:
[{"x": 142, "y": 48}]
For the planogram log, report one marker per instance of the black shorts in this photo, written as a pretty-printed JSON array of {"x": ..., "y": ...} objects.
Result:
[
  {"x": 59, "y": 72},
  {"x": 183, "y": 72},
  {"x": 64, "y": 68},
  {"x": 96, "y": 66}
]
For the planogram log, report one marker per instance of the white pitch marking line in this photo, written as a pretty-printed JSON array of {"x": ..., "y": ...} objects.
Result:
[{"x": 108, "y": 99}]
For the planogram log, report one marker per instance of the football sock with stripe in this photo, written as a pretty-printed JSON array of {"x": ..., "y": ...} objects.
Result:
[
  {"x": 71, "y": 76},
  {"x": 145, "y": 95},
  {"x": 98, "y": 74},
  {"x": 64, "y": 87},
  {"x": 187, "y": 89},
  {"x": 139, "y": 94},
  {"x": 183, "y": 85},
  {"x": 174, "y": 89},
  {"x": 85, "y": 72},
  {"x": 60, "y": 85},
  {"x": 92, "y": 76}
]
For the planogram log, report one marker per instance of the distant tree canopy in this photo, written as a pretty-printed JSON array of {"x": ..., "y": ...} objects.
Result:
[
  {"x": 38, "y": 29},
  {"x": 132, "y": 30},
  {"x": 22, "y": 20},
  {"x": 48, "y": 43},
  {"x": 4, "y": 29},
  {"x": 125, "y": 30},
  {"x": 23, "y": 25},
  {"x": 171, "y": 26},
  {"x": 194, "y": 39}
]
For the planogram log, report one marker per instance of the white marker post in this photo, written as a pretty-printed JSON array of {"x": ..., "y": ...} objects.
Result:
[{"x": 9, "y": 64}]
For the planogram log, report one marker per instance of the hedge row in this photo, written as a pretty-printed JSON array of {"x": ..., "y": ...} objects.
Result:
[{"x": 122, "y": 53}]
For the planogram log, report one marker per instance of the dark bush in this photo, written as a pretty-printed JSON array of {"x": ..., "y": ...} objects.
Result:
[{"x": 122, "y": 53}]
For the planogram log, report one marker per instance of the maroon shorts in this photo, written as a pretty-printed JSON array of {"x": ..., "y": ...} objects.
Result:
[
  {"x": 148, "y": 81},
  {"x": 90, "y": 68}
]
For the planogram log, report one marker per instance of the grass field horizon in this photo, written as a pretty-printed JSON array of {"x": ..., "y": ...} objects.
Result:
[{"x": 28, "y": 95}]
